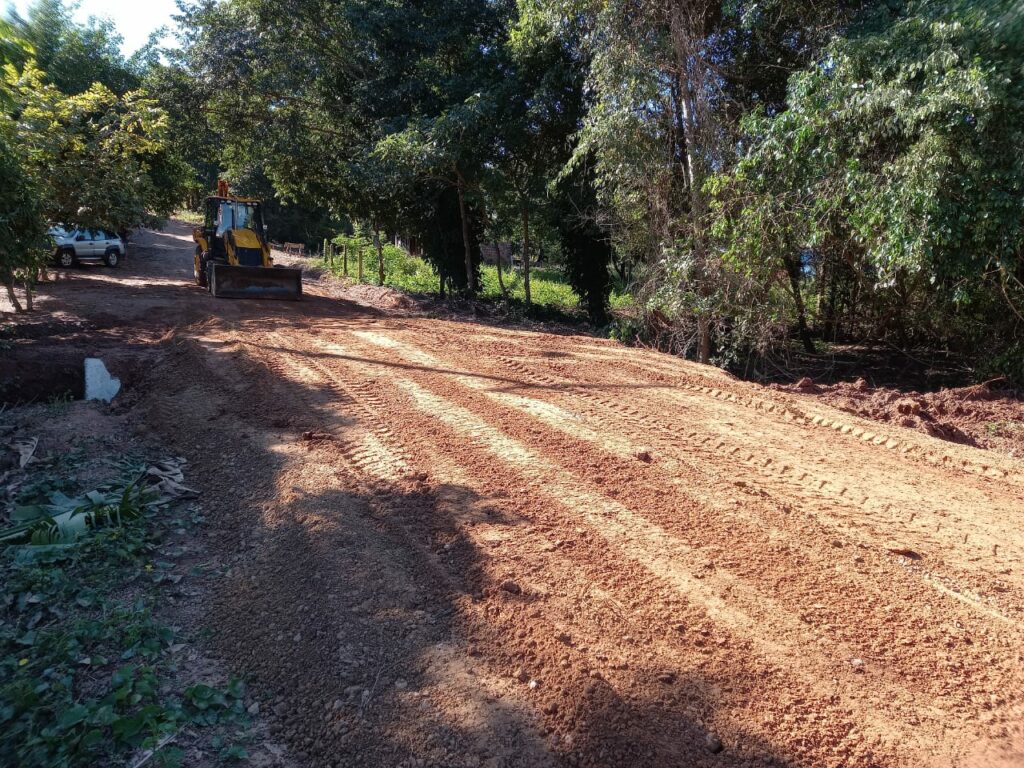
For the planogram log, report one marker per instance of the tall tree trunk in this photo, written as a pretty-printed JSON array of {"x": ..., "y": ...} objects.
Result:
[
  {"x": 793, "y": 270},
  {"x": 525, "y": 212},
  {"x": 9, "y": 285},
  {"x": 682, "y": 150},
  {"x": 380, "y": 253},
  {"x": 28, "y": 295},
  {"x": 344, "y": 259},
  {"x": 687, "y": 36},
  {"x": 470, "y": 273},
  {"x": 827, "y": 296},
  {"x": 900, "y": 316},
  {"x": 703, "y": 340}
]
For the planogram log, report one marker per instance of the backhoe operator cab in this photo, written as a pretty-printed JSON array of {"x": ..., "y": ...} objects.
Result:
[
  {"x": 234, "y": 234},
  {"x": 233, "y": 253}
]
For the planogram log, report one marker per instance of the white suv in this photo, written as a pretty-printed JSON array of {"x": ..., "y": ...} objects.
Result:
[{"x": 77, "y": 245}]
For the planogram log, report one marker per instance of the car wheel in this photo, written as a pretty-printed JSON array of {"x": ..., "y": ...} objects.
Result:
[
  {"x": 66, "y": 258},
  {"x": 199, "y": 269},
  {"x": 112, "y": 257}
]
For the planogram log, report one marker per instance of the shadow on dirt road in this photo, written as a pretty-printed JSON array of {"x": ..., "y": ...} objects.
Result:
[{"x": 369, "y": 622}]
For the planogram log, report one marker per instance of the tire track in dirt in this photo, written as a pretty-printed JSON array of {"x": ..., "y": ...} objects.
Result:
[
  {"x": 907, "y": 518},
  {"x": 851, "y": 585},
  {"x": 901, "y": 522},
  {"x": 372, "y": 448},
  {"x": 670, "y": 388},
  {"x": 905, "y": 514},
  {"x": 665, "y": 372},
  {"x": 783, "y": 479},
  {"x": 806, "y": 413},
  {"x": 481, "y": 431},
  {"x": 655, "y": 367},
  {"x": 475, "y": 429},
  {"x": 401, "y": 508},
  {"x": 504, "y": 456},
  {"x": 573, "y": 566}
]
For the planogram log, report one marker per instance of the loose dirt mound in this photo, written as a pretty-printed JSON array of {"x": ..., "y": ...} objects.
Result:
[
  {"x": 382, "y": 297},
  {"x": 977, "y": 415}
]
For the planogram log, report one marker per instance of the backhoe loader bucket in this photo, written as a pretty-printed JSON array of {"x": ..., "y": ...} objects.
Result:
[{"x": 231, "y": 282}]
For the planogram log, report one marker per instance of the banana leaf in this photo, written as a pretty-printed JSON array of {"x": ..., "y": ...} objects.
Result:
[{"x": 66, "y": 520}]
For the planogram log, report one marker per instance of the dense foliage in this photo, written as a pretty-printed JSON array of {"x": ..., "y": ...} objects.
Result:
[
  {"x": 22, "y": 224},
  {"x": 893, "y": 185},
  {"x": 754, "y": 171}
]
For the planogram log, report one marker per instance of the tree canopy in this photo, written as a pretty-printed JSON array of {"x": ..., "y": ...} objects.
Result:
[{"x": 754, "y": 173}]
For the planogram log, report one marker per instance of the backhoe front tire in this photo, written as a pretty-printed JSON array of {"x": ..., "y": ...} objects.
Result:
[{"x": 199, "y": 269}]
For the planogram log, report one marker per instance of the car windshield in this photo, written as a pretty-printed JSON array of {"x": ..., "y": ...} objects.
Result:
[{"x": 236, "y": 216}]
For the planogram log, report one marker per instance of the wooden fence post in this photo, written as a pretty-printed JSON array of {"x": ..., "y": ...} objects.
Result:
[
  {"x": 344, "y": 259},
  {"x": 360, "y": 264}
]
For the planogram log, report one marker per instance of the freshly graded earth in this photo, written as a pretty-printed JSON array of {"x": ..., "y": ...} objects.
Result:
[{"x": 453, "y": 544}]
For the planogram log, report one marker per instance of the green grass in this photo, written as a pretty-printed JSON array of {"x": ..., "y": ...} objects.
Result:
[
  {"x": 1003, "y": 428},
  {"x": 402, "y": 271},
  {"x": 548, "y": 285},
  {"x": 195, "y": 218}
]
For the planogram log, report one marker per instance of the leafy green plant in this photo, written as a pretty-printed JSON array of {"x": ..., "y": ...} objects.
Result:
[
  {"x": 83, "y": 670},
  {"x": 65, "y": 520},
  {"x": 195, "y": 218},
  {"x": 887, "y": 179}
]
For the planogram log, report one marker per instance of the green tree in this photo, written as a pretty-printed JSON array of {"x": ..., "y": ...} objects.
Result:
[
  {"x": 22, "y": 225},
  {"x": 101, "y": 160},
  {"x": 74, "y": 56},
  {"x": 373, "y": 109},
  {"x": 586, "y": 248},
  {"x": 539, "y": 107},
  {"x": 185, "y": 100},
  {"x": 894, "y": 152}
]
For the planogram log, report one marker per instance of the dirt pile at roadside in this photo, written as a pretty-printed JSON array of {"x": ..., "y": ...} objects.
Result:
[
  {"x": 979, "y": 415},
  {"x": 382, "y": 297}
]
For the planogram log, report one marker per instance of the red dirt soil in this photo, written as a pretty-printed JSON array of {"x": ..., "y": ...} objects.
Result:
[
  {"x": 456, "y": 544},
  {"x": 978, "y": 415}
]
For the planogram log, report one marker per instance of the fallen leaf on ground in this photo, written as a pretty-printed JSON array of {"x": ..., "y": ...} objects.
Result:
[{"x": 167, "y": 478}]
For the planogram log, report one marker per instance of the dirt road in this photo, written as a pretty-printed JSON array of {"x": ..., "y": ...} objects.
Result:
[{"x": 454, "y": 544}]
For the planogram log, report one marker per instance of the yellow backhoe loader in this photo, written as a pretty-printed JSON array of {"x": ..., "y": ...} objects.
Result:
[{"x": 233, "y": 255}]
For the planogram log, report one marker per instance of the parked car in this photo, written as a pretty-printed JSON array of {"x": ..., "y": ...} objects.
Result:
[{"x": 84, "y": 245}]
